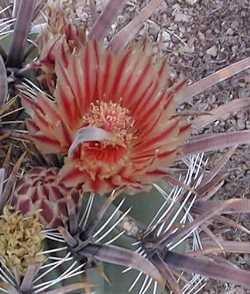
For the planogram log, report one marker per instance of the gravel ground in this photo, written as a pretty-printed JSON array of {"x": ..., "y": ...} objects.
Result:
[{"x": 199, "y": 37}]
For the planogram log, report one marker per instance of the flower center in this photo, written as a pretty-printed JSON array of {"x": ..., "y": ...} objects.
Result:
[
  {"x": 113, "y": 118},
  {"x": 113, "y": 153}
]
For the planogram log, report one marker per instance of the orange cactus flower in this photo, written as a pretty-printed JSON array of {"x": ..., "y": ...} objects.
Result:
[
  {"x": 39, "y": 190},
  {"x": 113, "y": 118}
]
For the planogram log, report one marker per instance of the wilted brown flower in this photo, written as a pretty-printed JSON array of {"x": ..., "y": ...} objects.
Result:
[
  {"x": 60, "y": 37},
  {"x": 39, "y": 190},
  {"x": 118, "y": 111},
  {"x": 20, "y": 240}
]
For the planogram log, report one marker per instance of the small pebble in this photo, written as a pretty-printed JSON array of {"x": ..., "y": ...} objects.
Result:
[
  {"x": 181, "y": 17},
  {"x": 229, "y": 32},
  {"x": 212, "y": 51},
  {"x": 165, "y": 36},
  {"x": 191, "y": 2}
]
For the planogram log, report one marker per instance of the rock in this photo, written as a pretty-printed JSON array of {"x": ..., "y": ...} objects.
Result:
[
  {"x": 165, "y": 36},
  {"x": 176, "y": 7},
  {"x": 181, "y": 17},
  {"x": 201, "y": 36},
  {"x": 235, "y": 24},
  {"x": 187, "y": 49},
  {"x": 191, "y": 2},
  {"x": 100, "y": 5},
  {"x": 241, "y": 124},
  {"x": 229, "y": 32},
  {"x": 182, "y": 29},
  {"x": 154, "y": 28},
  {"x": 212, "y": 51},
  {"x": 248, "y": 124}
]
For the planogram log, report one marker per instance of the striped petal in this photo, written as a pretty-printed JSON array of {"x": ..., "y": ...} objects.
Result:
[{"x": 127, "y": 95}]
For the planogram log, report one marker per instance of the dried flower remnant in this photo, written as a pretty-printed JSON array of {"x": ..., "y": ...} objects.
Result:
[
  {"x": 39, "y": 190},
  {"x": 60, "y": 37},
  {"x": 119, "y": 108},
  {"x": 20, "y": 240}
]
